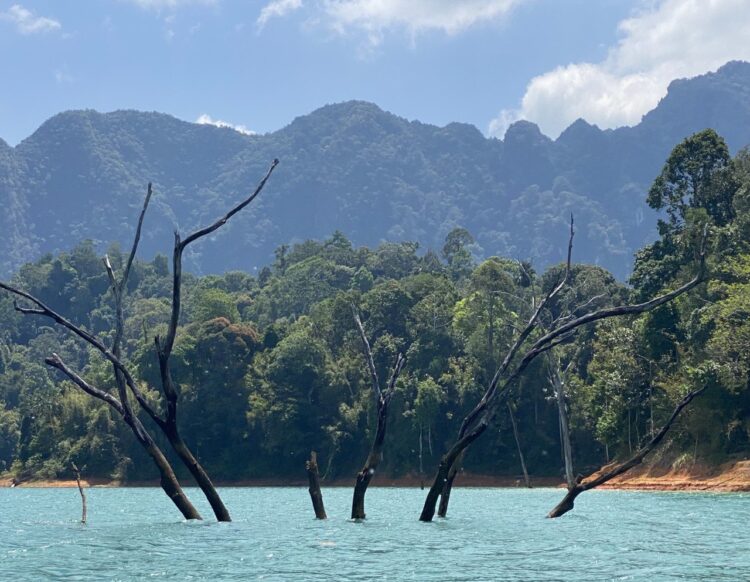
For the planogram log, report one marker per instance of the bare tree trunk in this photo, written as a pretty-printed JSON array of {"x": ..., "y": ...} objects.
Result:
[
  {"x": 313, "y": 478},
  {"x": 123, "y": 377},
  {"x": 630, "y": 440},
  {"x": 168, "y": 480},
  {"x": 421, "y": 470},
  {"x": 168, "y": 424},
  {"x": 383, "y": 398},
  {"x": 512, "y": 415},
  {"x": 445, "y": 494},
  {"x": 198, "y": 473},
  {"x": 476, "y": 422},
  {"x": 445, "y": 468},
  {"x": 592, "y": 482},
  {"x": 367, "y": 472},
  {"x": 559, "y": 386},
  {"x": 80, "y": 490}
]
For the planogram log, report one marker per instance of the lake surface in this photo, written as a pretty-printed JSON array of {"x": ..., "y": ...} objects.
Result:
[{"x": 491, "y": 534}]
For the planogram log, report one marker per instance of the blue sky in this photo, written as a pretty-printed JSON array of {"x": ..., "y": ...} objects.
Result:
[{"x": 257, "y": 64}]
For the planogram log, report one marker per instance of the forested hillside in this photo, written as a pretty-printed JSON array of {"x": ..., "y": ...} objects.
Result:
[
  {"x": 354, "y": 168},
  {"x": 270, "y": 365}
]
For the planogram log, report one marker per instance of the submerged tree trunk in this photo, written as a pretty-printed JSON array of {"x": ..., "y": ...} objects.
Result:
[
  {"x": 198, "y": 473},
  {"x": 168, "y": 480},
  {"x": 445, "y": 494},
  {"x": 592, "y": 482},
  {"x": 81, "y": 491},
  {"x": 383, "y": 398},
  {"x": 313, "y": 478},
  {"x": 445, "y": 468},
  {"x": 558, "y": 383},
  {"x": 168, "y": 424},
  {"x": 512, "y": 415},
  {"x": 367, "y": 472},
  {"x": 476, "y": 422}
]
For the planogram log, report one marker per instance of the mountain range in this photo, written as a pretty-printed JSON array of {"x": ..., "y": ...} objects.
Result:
[{"x": 355, "y": 168}]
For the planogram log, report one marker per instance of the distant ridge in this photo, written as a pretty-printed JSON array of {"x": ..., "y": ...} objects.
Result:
[{"x": 353, "y": 167}]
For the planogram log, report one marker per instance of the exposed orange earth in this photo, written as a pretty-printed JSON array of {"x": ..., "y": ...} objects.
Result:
[{"x": 731, "y": 476}]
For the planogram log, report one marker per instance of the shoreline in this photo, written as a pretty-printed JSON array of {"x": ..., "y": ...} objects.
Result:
[{"x": 729, "y": 477}]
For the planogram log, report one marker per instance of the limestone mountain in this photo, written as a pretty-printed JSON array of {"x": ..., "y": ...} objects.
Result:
[{"x": 355, "y": 168}]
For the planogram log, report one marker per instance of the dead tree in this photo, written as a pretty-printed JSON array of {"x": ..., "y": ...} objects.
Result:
[
  {"x": 168, "y": 480},
  {"x": 482, "y": 415},
  {"x": 595, "y": 480},
  {"x": 125, "y": 380},
  {"x": 168, "y": 422},
  {"x": 313, "y": 477},
  {"x": 517, "y": 438},
  {"x": 557, "y": 378},
  {"x": 477, "y": 419},
  {"x": 382, "y": 400},
  {"x": 77, "y": 473}
]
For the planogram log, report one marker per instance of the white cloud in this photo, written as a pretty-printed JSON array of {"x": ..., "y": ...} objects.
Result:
[
  {"x": 277, "y": 8},
  {"x": 667, "y": 40},
  {"x": 63, "y": 76},
  {"x": 27, "y": 23},
  {"x": 206, "y": 119},
  {"x": 373, "y": 18},
  {"x": 168, "y": 4},
  {"x": 450, "y": 16}
]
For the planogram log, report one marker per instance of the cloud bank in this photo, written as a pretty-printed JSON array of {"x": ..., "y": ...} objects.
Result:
[
  {"x": 668, "y": 40},
  {"x": 373, "y": 18}
]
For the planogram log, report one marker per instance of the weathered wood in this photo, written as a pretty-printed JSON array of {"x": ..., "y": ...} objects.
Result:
[
  {"x": 446, "y": 476},
  {"x": 313, "y": 477},
  {"x": 77, "y": 473},
  {"x": 517, "y": 438},
  {"x": 475, "y": 424},
  {"x": 382, "y": 399},
  {"x": 168, "y": 480},
  {"x": 596, "y": 480},
  {"x": 558, "y": 379},
  {"x": 125, "y": 380},
  {"x": 168, "y": 423}
]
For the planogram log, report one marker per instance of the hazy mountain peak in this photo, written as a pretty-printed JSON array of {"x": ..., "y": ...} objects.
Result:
[
  {"x": 525, "y": 132},
  {"x": 353, "y": 167}
]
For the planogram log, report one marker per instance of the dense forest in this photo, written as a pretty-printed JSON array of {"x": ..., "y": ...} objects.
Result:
[
  {"x": 355, "y": 168},
  {"x": 270, "y": 366}
]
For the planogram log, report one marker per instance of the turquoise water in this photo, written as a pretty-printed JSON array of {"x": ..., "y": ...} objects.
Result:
[{"x": 491, "y": 534}]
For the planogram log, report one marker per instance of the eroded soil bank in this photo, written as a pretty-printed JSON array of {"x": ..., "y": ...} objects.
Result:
[{"x": 730, "y": 476}]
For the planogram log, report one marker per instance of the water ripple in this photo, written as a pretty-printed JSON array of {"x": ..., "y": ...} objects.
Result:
[{"x": 134, "y": 534}]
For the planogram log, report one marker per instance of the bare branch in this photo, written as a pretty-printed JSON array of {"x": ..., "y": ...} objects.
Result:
[
  {"x": 489, "y": 395},
  {"x": 27, "y": 310},
  {"x": 646, "y": 449},
  {"x": 223, "y": 220},
  {"x": 621, "y": 310},
  {"x": 136, "y": 240},
  {"x": 595, "y": 481},
  {"x": 400, "y": 361},
  {"x": 368, "y": 354},
  {"x": 46, "y": 311},
  {"x": 56, "y": 361},
  {"x": 179, "y": 247}
]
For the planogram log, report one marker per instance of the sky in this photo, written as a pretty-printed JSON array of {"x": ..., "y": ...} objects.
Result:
[{"x": 257, "y": 64}]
